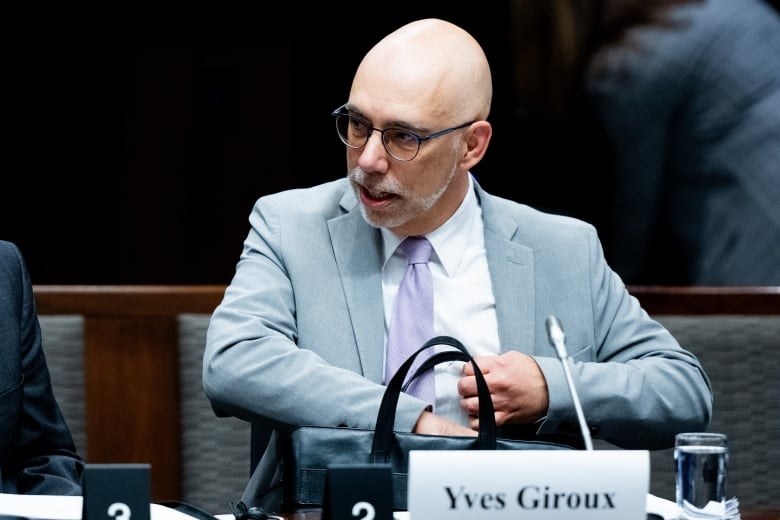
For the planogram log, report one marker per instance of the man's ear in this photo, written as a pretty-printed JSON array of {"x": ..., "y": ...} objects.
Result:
[{"x": 476, "y": 143}]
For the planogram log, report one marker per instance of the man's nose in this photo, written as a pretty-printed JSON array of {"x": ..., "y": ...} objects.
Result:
[{"x": 373, "y": 153}]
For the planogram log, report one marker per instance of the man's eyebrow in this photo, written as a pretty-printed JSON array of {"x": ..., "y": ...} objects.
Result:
[{"x": 404, "y": 125}]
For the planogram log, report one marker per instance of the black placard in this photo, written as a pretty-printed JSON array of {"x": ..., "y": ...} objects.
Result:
[
  {"x": 359, "y": 492},
  {"x": 116, "y": 492}
]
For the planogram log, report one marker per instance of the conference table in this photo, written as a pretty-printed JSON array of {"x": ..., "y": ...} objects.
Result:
[{"x": 753, "y": 514}]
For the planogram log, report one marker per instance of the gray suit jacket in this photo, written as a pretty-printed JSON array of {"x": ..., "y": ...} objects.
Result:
[
  {"x": 299, "y": 336},
  {"x": 37, "y": 453}
]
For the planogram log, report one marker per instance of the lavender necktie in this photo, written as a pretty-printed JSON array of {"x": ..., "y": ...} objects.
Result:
[{"x": 411, "y": 324}]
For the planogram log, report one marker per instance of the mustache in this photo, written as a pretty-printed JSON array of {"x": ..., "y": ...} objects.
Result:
[{"x": 374, "y": 183}]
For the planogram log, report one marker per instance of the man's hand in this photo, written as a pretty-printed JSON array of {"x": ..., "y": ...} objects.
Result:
[
  {"x": 431, "y": 424},
  {"x": 517, "y": 386}
]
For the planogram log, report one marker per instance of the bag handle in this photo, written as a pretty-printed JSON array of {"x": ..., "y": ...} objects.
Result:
[
  {"x": 383, "y": 434},
  {"x": 429, "y": 363}
]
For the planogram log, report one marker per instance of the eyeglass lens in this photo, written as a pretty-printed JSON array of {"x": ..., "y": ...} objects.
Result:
[{"x": 355, "y": 132}]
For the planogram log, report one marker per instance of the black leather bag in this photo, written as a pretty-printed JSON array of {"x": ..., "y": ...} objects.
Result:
[{"x": 309, "y": 450}]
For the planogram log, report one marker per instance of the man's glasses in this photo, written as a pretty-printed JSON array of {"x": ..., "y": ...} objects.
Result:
[{"x": 401, "y": 144}]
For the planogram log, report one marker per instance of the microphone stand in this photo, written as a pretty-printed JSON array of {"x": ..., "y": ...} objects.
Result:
[{"x": 557, "y": 338}]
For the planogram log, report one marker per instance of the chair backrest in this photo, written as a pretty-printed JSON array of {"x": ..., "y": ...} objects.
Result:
[
  {"x": 63, "y": 346},
  {"x": 735, "y": 333},
  {"x": 158, "y": 332},
  {"x": 741, "y": 356},
  {"x": 215, "y": 468},
  {"x": 109, "y": 350}
]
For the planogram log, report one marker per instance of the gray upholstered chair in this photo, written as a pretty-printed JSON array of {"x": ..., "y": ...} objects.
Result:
[
  {"x": 740, "y": 352},
  {"x": 215, "y": 451}
]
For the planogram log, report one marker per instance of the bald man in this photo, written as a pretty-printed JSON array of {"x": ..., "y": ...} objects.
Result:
[{"x": 300, "y": 335}]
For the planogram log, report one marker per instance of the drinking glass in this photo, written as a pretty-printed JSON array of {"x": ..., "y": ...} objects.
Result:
[{"x": 701, "y": 462}]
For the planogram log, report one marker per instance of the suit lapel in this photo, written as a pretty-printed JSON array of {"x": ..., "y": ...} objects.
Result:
[
  {"x": 357, "y": 248},
  {"x": 512, "y": 274}
]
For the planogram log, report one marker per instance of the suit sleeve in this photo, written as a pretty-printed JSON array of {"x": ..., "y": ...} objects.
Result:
[
  {"x": 628, "y": 369},
  {"x": 47, "y": 460}
]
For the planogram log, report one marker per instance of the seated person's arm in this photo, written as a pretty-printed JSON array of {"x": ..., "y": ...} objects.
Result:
[{"x": 431, "y": 424}]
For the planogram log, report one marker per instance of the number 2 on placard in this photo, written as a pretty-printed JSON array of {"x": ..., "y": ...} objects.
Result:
[
  {"x": 119, "y": 511},
  {"x": 363, "y": 507}
]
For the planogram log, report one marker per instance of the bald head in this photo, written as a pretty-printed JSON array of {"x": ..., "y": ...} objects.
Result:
[{"x": 428, "y": 64}]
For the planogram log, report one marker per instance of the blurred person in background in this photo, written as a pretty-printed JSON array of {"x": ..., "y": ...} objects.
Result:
[
  {"x": 687, "y": 96},
  {"x": 37, "y": 452}
]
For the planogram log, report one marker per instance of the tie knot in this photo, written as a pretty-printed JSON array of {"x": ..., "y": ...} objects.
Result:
[{"x": 417, "y": 250}]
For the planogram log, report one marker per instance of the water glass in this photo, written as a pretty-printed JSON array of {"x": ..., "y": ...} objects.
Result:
[{"x": 701, "y": 463}]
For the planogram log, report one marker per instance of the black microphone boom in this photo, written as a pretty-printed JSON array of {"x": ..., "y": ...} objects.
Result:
[{"x": 558, "y": 340}]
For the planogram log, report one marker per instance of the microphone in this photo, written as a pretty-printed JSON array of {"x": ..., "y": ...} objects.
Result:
[{"x": 557, "y": 339}]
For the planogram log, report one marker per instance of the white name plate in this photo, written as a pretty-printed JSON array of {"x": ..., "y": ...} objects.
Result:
[{"x": 543, "y": 485}]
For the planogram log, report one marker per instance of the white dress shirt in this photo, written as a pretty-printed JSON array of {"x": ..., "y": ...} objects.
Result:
[{"x": 463, "y": 302}]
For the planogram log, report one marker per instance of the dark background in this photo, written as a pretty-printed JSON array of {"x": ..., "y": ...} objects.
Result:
[{"x": 142, "y": 133}]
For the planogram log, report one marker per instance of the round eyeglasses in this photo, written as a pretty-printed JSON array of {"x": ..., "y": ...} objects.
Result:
[{"x": 402, "y": 145}]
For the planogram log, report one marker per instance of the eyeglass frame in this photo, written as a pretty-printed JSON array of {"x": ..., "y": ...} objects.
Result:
[{"x": 420, "y": 138}]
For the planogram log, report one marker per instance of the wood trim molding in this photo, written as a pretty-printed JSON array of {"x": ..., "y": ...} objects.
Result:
[
  {"x": 689, "y": 300},
  {"x": 127, "y": 300},
  {"x": 166, "y": 300}
]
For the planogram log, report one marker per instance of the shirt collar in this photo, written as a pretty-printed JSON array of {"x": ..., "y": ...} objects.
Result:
[{"x": 449, "y": 240}]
